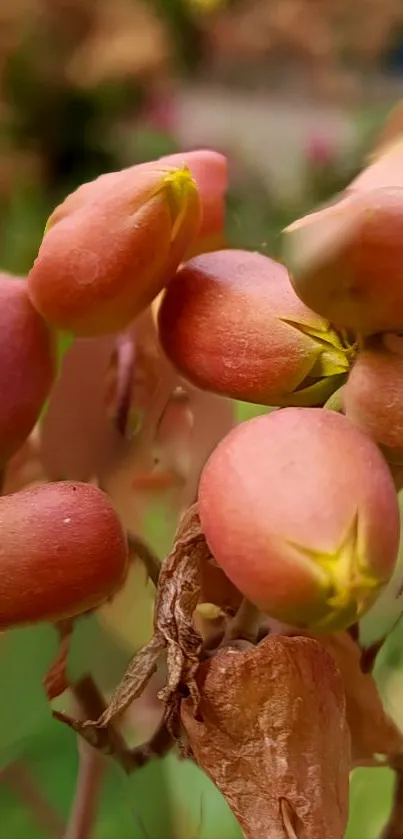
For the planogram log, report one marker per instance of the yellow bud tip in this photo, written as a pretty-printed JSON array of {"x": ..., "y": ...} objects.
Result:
[
  {"x": 178, "y": 186},
  {"x": 353, "y": 587},
  {"x": 209, "y": 611},
  {"x": 348, "y": 586}
]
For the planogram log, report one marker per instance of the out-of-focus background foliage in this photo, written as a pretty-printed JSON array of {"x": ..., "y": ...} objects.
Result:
[{"x": 293, "y": 92}]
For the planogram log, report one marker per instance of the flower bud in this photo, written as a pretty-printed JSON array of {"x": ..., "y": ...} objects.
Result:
[
  {"x": 231, "y": 323},
  {"x": 63, "y": 552},
  {"x": 373, "y": 398},
  {"x": 111, "y": 247},
  {"x": 345, "y": 260},
  {"x": 299, "y": 509},
  {"x": 27, "y": 365}
]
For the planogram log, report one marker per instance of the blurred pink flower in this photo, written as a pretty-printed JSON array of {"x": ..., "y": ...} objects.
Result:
[
  {"x": 161, "y": 112},
  {"x": 320, "y": 150}
]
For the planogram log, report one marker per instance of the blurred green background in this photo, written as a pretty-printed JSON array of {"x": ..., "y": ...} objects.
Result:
[{"x": 88, "y": 86}]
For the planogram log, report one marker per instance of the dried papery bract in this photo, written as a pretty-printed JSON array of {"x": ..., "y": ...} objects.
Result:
[
  {"x": 178, "y": 593},
  {"x": 373, "y": 398},
  {"x": 27, "y": 365},
  {"x": 112, "y": 246},
  {"x": 301, "y": 567},
  {"x": 270, "y": 730},
  {"x": 175, "y": 635},
  {"x": 231, "y": 323},
  {"x": 63, "y": 553},
  {"x": 372, "y": 730}
]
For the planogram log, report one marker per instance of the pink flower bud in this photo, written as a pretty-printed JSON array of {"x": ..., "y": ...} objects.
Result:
[
  {"x": 299, "y": 509},
  {"x": 27, "y": 365},
  {"x": 345, "y": 260},
  {"x": 231, "y": 323},
  {"x": 109, "y": 249},
  {"x": 63, "y": 552},
  {"x": 373, "y": 397}
]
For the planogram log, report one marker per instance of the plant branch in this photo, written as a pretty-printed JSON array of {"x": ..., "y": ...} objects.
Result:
[
  {"x": 147, "y": 556},
  {"x": 90, "y": 768},
  {"x": 157, "y": 746},
  {"x": 394, "y": 827},
  {"x": 88, "y": 786},
  {"x": 244, "y": 625},
  {"x": 20, "y": 780},
  {"x": 108, "y": 739}
]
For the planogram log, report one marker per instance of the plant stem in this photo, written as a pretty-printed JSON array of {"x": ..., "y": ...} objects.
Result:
[
  {"x": 19, "y": 779},
  {"x": 90, "y": 769},
  {"x": 147, "y": 556},
  {"x": 84, "y": 807},
  {"x": 245, "y": 625},
  {"x": 394, "y": 827}
]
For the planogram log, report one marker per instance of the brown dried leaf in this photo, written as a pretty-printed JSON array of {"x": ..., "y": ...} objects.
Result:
[
  {"x": 177, "y": 597},
  {"x": 373, "y": 732},
  {"x": 271, "y": 732},
  {"x": 142, "y": 666}
]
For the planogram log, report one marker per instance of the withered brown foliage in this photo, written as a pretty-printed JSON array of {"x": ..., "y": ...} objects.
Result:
[
  {"x": 271, "y": 732},
  {"x": 278, "y": 726}
]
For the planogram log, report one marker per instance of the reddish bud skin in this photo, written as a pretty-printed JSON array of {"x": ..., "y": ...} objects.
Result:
[
  {"x": 345, "y": 260},
  {"x": 210, "y": 172},
  {"x": 27, "y": 365},
  {"x": 299, "y": 509},
  {"x": 231, "y": 323},
  {"x": 63, "y": 552},
  {"x": 110, "y": 248},
  {"x": 385, "y": 168},
  {"x": 373, "y": 396}
]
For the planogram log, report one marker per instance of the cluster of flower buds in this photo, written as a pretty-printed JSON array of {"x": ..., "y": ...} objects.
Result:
[
  {"x": 299, "y": 506},
  {"x": 107, "y": 252}
]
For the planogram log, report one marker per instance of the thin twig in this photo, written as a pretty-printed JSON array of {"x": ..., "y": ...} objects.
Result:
[
  {"x": 84, "y": 808},
  {"x": 19, "y": 779},
  {"x": 369, "y": 654},
  {"x": 147, "y": 556},
  {"x": 244, "y": 625},
  {"x": 56, "y": 679},
  {"x": 106, "y": 740},
  {"x": 394, "y": 826},
  {"x": 126, "y": 358},
  {"x": 158, "y": 745},
  {"x": 90, "y": 769}
]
